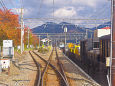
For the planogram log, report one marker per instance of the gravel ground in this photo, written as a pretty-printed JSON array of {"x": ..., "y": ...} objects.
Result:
[
  {"x": 50, "y": 77},
  {"x": 75, "y": 75},
  {"x": 22, "y": 72}
]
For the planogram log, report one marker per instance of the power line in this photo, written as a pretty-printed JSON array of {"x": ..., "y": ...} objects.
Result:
[
  {"x": 12, "y": 4},
  {"x": 101, "y": 11},
  {"x": 40, "y": 7},
  {"x": 53, "y": 8},
  {"x": 64, "y": 19},
  {"x": 3, "y": 5}
]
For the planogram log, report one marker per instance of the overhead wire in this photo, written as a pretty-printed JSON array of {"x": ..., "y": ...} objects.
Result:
[
  {"x": 12, "y": 4},
  {"x": 101, "y": 11},
  {"x": 40, "y": 6},
  {"x": 53, "y": 9},
  {"x": 3, "y": 5}
]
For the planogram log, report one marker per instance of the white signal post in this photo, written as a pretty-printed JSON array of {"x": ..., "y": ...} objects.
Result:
[
  {"x": 28, "y": 37},
  {"x": 39, "y": 41},
  {"x": 65, "y": 30},
  {"x": 22, "y": 31}
]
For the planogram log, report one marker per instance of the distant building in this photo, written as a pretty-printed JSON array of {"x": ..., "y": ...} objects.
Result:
[
  {"x": 102, "y": 32},
  {"x": 46, "y": 41}
]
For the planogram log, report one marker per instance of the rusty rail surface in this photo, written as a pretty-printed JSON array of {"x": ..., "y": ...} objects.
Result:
[{"x": 63, "y": 81}]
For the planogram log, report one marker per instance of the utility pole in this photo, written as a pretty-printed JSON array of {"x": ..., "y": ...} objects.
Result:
[
  {"x": 65, "y": 30},
  {"x": 112, "y": 67},
  {"x": 22, "y": 31},
  {"x": 91, "y": 35},
  {"x": 47, "y": 35},
  {"x": 28, "y": 37},
  {"x": 86, "y": 34},
  {"x": 39, "y": 41}
]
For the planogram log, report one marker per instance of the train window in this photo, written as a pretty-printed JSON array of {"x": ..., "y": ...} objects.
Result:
[{"x": 96, "y": 45}]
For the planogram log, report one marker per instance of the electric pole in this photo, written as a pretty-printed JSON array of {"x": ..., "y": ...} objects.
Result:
[
  {"x": 22, "y": 31},
  {"x": 28, "y": 36},
  {"x": 86, "y": 34},
  {"x": 65, "y": 30},
  {"x": 112, "y": 68},
  {"x": 39, "y": 41}
]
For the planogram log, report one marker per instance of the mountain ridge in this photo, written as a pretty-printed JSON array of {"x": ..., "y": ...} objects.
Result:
[{"x": 51, "y": 27}]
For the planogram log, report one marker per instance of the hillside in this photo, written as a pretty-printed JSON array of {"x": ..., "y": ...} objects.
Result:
[
  {"x": 107, "y": 24},
  {"x": 51, "y": 27}
]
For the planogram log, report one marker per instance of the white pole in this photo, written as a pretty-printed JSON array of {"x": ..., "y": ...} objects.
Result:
[
  {"x": 111, "y": 42},
  {"x": 39, "y": 41},
  {"x": 21, "y": 31},
  {"x": 65, "y": 30},
  {"x": 28, "y": 37}
]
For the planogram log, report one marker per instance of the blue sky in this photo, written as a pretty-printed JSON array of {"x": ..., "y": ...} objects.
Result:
[{"x": 62, "y": 9}]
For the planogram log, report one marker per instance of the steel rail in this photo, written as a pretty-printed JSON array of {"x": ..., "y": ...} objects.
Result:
[
  {"x": 38, "y": 77},
  {"x": 47, "y": 64},
  {"x": 61, "y": 67},
  {"x": 57, "y": 71}
]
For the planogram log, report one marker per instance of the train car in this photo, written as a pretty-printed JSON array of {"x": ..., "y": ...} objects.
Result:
[
  {"x": 85, "y": 46},
  {"x": 61, "y": 45},
  {"x": 104, "y": 47},
  {"x": 74, "y": 51},
  {"x": 74, "y": 48},
  {"x": 89, "y": 51}
]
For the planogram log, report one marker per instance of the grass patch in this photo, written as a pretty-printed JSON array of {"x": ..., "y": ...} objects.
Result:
[{"x": 43, "y": 50}]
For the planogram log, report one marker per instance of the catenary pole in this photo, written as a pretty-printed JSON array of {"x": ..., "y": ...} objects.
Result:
[
  {"x": 113, "y": 44},
  {"x": 22, "y": 31}
]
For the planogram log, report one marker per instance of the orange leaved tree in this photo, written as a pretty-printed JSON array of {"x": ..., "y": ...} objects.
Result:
[{"x": 8, "y": 24}]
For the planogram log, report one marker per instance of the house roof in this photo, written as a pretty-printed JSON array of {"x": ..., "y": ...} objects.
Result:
[
  {"x": 45, "y": 40},
  {"x": 106, "y": 28}
]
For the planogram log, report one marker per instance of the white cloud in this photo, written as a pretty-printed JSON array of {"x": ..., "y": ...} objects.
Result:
[
  {"x": 33, "y": 23},
  {"x": 65, "y": 12},
  {"x": 62, "y": 9},
  {"x": 26, "y": 12},
  {"x": 91, "y": 3}
]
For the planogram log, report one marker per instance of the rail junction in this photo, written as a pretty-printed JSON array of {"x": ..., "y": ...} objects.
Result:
[{"x": 51, "y": 71}]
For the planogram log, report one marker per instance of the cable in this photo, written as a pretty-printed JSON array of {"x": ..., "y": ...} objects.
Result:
[
  {"x": 3, "y": 5},
  {"x": 12, "y": 4},
  {"x": 100, "y": 11},
  {"x": 53, "y": 9},
  {"x": 41, "y": 2}
]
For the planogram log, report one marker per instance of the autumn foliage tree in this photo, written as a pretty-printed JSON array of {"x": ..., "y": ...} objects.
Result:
[
  {"x": 9, "y": 29},
  {"x": 33, "y": 39},
  {"x": 8, "y": 25}
]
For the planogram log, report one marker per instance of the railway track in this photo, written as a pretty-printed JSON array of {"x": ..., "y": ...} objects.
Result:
[
  {"x": 61, "y": 67},
  {"x": 38, "y": 76},
  {"x": 42, "y": 75}
]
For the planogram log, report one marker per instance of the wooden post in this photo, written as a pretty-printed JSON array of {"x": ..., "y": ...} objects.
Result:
[{"x": 8, "y": 70}]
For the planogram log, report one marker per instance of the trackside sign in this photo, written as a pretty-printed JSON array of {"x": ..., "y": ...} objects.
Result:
[
  {"x": 5, "y": 63},
  {"x": 7, "y": 43}
]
